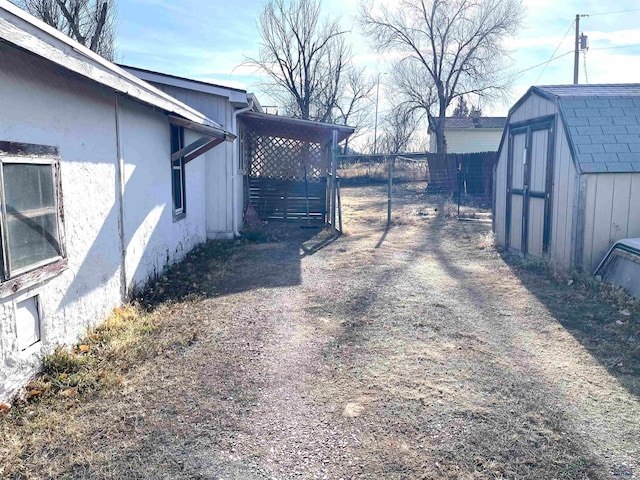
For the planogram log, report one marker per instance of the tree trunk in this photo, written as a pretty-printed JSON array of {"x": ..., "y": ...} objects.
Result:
[{"x": 439, "y": 168}]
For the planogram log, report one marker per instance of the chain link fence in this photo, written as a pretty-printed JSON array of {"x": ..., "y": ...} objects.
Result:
[{"x": 419, "y": 184}]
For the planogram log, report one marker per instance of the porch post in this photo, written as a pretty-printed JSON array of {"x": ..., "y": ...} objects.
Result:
[{"x": 334, "y": 172}]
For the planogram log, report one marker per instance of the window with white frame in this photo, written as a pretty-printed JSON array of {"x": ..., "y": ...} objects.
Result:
[
  {"x": 31, "y": 223},
  {"x": 177, "y": 172}
]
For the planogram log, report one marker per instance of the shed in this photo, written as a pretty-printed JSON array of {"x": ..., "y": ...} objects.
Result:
[
  {"x": 568, "y": 174},
  {"x": 471, "y": 134}
]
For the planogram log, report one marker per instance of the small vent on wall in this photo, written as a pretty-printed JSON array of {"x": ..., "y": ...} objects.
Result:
[{"x": 27, "y": 322}]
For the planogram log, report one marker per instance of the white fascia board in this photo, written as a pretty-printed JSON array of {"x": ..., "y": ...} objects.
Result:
[
  {"x": 28, "y": 33},
  {"x": 257, "y": 107},
  {"x": 234, "y": 96}
]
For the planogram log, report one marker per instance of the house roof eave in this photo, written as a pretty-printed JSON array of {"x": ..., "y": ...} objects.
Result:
[{"x": 26, "y": 32}]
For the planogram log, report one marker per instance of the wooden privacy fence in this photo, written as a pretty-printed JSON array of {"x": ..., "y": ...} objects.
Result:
[
  {"x": 286, "y": 200},
  {"x": 476, "y": 171}
]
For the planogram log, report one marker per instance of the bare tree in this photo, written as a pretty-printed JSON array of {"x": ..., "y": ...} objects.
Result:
[
  {"x": 447, "y": 49},
  {"x": 303, "y": 57},
  {"x": 89, "y": 22},
  {"x": 354, "y": 102},
  {"x": 398, "y": 130}
]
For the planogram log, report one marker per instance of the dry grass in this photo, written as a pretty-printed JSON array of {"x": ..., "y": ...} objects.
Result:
[{"x": 415, "y": 352}]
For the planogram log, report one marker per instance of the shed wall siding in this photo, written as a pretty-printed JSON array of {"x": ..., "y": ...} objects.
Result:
[
  {"x": 470, "y": 140},
  {"x": 562, "y": 208},
  {"x": 500, "y": 182},
  {"x": 221, "y": 172},
  {"x": 41, "y": 104},
  {"x": 612, "y": 213}
]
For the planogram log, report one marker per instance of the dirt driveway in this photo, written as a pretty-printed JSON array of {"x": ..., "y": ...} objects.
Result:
[{"x": 413, "y": 353}]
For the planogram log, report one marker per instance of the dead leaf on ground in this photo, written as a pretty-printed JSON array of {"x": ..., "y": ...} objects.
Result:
[{"x": 69, "y": 392}]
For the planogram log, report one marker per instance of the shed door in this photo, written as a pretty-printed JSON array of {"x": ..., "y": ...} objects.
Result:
[
  {"x": 529, "y": 188},
  {"x": 516, "y": 191}
]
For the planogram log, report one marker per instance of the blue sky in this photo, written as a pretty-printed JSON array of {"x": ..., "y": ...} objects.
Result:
[{"x": 208, "y": 40}]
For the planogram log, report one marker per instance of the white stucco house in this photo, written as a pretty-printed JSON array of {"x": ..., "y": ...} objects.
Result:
[
  {"x": 224, "y": 176},
  {"x": 471, "y": 134},
  {"x": 103, "y": 181}
]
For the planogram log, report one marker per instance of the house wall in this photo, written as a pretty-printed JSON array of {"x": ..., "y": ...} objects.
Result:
[
  {"x": 42, "y": 104},
  {"x": 152, "y": 237},
  {"x": 223, "y": 179},
  {"x": 611, "y": 213},
  {"x": 467, "y": 140},
  {"x": 564, "y": 184}
]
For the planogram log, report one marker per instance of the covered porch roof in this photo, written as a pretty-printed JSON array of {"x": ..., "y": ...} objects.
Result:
[{"x": 294, "y": 128}]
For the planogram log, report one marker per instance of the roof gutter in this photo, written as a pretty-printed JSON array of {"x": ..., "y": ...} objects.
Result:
[{"x": 212, "y": 137}]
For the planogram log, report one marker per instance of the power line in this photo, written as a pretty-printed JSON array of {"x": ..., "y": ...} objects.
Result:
[
  {"x": 613, "y": 48},
  {"x": 613, "y": 13},
  {"x": 540, "y": 64},
  {"x": 556, "y": 50},
  {"x": 584, "y": 63}
]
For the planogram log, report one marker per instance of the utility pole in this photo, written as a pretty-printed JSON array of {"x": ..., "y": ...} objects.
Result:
[
  {"x": 576, "y": 56},
  {"x": 578, "y": 46}
]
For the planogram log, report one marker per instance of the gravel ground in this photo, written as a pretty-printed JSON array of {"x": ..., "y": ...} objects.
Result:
[{"x": 416, "y": 352}]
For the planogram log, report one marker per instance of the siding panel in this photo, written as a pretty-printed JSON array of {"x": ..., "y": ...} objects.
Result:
[
  {"x": 536, "y": 227},
  {"x": 539, "y": 161},
  {"x": 603, "y": 217},
  {"x": 633, "y": 224},
  {"x": 613, "y": 213},
  {"x": 590, "y": 219},
  {"x": 620, "y": 207},
  {"x": 563, "y": 197},
  {"x": 471, "y": 140},
  {"x": 515, "y": 233},
  {"x": 501, "y": 194}
]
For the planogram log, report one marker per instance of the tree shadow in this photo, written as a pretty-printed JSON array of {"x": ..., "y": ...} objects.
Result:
[
  {"x": 219, "y": 268},
  {"x": 611, "y": 338}
]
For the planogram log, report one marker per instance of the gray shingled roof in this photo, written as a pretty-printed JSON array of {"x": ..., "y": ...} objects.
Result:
[
  {"x": 602, "y": 124},
  {"x": 475, "y": 122}
]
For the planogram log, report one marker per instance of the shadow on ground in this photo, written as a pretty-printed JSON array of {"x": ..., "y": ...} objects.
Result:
[
  {"x": 219, "y": 268},
  {"x": 586, "y": 311}
]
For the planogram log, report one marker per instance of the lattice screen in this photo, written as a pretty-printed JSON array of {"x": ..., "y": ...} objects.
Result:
[{"x": 276, "y": 157}]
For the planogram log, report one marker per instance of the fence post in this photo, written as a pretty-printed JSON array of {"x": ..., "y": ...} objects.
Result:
[
  {"x": 459, "y": 172},
  {"x": 339, "y": 206},
  {"x": 390, "y": 173}
]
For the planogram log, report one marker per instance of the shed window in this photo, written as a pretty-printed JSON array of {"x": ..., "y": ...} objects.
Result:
[
  {"x": 30, "y": 215},
  {"x": 177, "y": 172}
]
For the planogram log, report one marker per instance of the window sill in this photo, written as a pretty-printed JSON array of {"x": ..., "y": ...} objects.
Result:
[
  {"x": 179, "y": 216},
  {"x": 29, "y": 279}
]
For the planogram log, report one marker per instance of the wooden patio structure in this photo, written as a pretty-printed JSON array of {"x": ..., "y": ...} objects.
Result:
[{"x": 289, "y": 167}]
